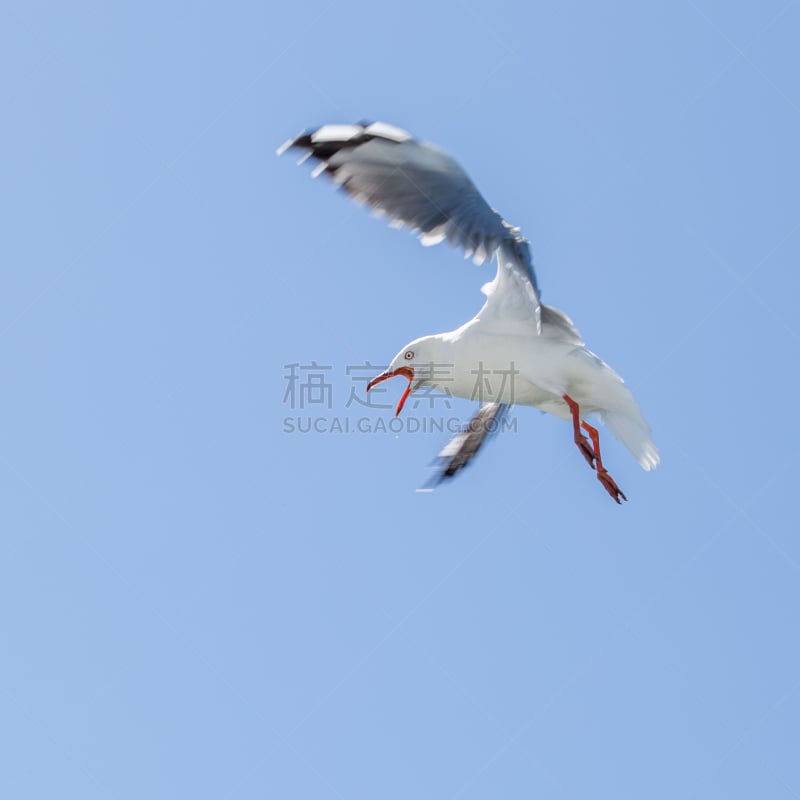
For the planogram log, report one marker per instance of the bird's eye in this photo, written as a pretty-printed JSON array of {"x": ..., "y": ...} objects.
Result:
[{"x": 409, "y": 355}]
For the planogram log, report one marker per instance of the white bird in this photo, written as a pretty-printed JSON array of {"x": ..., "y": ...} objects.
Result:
[{"x": 533, "y": 352}]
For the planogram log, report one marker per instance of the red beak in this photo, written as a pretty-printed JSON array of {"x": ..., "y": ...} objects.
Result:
[{"x": 406, "y": 372}]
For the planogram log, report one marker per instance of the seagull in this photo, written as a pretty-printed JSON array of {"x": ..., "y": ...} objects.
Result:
[{"x": 516, "y": 350}]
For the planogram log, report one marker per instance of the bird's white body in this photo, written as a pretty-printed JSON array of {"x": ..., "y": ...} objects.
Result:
[
  {"x": 479, "y": 362},
  {"x": 527, "y": 370}
]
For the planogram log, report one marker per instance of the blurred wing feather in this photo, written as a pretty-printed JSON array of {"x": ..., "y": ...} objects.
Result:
[
  {"x": 464, "y": 446},
  {"x": 418, "y": 186}
]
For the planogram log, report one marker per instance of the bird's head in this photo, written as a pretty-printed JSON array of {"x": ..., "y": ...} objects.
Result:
[{"x": 419, "y": 362}]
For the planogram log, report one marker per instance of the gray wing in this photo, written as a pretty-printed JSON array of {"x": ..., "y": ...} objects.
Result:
[
  {"x": 464, "y": 446},
  {"x": 418, "y": 186}
]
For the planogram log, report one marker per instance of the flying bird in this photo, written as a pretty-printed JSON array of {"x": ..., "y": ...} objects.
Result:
[{"x": 418, "y": 186}]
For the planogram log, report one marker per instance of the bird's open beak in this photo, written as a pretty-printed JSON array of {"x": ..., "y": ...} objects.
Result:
[{"x": 406, "y": 372}]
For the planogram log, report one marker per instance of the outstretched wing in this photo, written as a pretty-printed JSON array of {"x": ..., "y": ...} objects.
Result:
[
  {"x": 421, "y": 187},
  {"x": 464, "y": 446}
]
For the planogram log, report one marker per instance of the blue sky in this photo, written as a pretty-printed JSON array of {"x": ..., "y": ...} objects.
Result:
[{"x": 196, "y": 603}]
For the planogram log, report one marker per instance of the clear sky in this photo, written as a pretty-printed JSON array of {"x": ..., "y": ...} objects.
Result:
[{"x": 196, "y": 602}]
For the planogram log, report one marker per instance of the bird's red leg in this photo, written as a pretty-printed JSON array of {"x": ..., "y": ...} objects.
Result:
[
  {"x": 580, "y": 439},
  {"x": 602, "y": 473}
]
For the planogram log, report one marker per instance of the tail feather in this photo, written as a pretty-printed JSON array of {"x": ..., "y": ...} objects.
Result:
[{"x": 634, "y": 433}]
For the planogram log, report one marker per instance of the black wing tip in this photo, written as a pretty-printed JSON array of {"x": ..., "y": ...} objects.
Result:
[
  {"x": 443, "y": 473},
  {"x": 351, "y": 135},
  {"x": 445, "y": 470}
]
